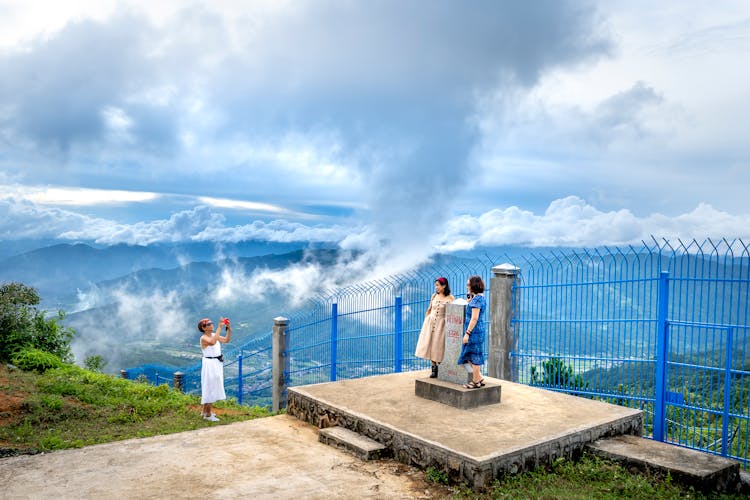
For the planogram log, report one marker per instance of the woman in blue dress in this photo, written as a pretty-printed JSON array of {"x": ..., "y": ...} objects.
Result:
[{"x": 472, "y": 356}]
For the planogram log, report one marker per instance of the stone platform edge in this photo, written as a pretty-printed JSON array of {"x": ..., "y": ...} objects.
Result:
[{"x": 422, "y": 453}]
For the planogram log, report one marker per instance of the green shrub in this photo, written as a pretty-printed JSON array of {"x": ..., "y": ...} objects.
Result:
[
  {"x": 95, "y": 363},
  {"x": 52, "y": 402},
  {"x": 29, "y": 359},
  {"x": 556, "y": 373},
  {"x": 436, "y": 475},
  {"x": 22, "y": 325},
  {"x": 53, "y": 442}
]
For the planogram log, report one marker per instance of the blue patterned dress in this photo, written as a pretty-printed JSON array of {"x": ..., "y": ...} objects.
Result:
[{"x": 471, "y": 352}]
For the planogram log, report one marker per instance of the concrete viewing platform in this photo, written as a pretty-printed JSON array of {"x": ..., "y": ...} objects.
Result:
[{"x": 530, "y": 427}]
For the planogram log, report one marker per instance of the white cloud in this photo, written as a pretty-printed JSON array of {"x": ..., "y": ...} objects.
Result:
[
  {"x": 85, "y": 197},
  {"x": 22, "y": 218},
  {"x": 286, "y": 110},
  {"x": 654, "y": 127},
  {"x": 295, "y": 283},
  {"x": 241, "y": 205},
  {"x": 568, "y": 221},
  {"x": 276, "y": 230},
  {"x": 135, "y": 318},
  {"x": 573, "y": 222}
]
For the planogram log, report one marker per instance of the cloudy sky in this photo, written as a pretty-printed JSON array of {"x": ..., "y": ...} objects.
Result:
[{"x": 440, "y": 125}]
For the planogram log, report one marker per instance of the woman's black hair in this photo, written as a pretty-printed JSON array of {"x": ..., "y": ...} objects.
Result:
[
  {"x": 444, "y": 282},
  {"x": 476, "y": 285}
]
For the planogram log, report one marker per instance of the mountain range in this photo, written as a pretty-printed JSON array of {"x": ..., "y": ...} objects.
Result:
[
  {"x": 59, "y": 270},
  {"x": 138, "y": 304}
]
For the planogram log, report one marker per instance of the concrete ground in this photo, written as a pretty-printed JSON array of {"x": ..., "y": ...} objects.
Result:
[{"x": 275, "y": 457}]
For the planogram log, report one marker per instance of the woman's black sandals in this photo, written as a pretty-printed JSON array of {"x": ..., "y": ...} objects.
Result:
[{"x": 475, "y": 385}]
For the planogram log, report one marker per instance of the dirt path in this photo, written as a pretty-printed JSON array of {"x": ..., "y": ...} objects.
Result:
[{"x": 275, "y": 457}]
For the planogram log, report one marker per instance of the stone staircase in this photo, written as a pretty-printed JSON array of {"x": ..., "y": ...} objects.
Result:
[
  {"x": 358, "y": 445},
  {"x": 703, "y": 471}
]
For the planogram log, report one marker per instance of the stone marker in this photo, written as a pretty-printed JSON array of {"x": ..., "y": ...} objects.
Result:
[
  {"x": 449, "y": 371},
  {"x": 448, "y": 388}
]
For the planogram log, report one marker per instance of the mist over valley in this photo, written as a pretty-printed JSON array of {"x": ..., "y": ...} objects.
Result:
[{"x": 139, "y": 304}]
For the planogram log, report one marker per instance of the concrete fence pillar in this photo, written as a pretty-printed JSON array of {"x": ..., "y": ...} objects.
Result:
[
  {"x": 502, "y": 339},
  {"x": 280, "y": 363},
  {"x": 178, "y": 381}
]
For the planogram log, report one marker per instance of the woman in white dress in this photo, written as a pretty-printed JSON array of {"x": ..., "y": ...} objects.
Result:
[
  {"x": 212, "y": 368},
  {"x": 431, "y": 342}
]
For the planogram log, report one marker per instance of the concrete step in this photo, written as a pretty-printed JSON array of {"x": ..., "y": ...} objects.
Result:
[
  {"x": 456, "y": 395},
  {"x": 358, "y": 445},
  {"x": 703, "y": 471}
]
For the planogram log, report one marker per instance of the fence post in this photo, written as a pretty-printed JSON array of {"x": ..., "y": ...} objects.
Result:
[
  {"x": 398, "y": 326},
  {"x": 239, "y": 378},
  {"x": 502, "y": 341},
  {"x": 334, "y": 338},
  {"x": 280, "y": 363},
  {"x": 177, "y": 382},
  {"x": 662, "y": 342},
  {"x": 727, "y": 395}
]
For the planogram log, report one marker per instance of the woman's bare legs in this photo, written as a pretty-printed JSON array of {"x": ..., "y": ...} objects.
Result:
[{"x": 477, "y": 376}]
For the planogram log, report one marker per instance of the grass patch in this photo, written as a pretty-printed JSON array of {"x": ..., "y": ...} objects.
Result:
[
  {"x": 70, "y": 407},
  {"x": 437, "y": 476},
  {"x": 588, "y": 477}
]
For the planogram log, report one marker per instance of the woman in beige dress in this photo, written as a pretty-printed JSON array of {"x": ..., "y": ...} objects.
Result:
[{"x": 431, "y": 342}]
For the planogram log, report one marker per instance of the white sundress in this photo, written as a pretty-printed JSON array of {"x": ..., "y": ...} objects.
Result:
[{"x": 212, "y": 375}]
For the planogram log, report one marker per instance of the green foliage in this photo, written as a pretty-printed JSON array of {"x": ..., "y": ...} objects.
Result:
[
  {"x": 589, "y": 477},
  {"x": 50, "y": 335},
  {"x": 23, "y": 325},
  {"x": 70, "y": 407},
  {"x": 52, "y": 402},
  {"x": 95, "y": 363},
  {"x": 556, "y": 373},
  {"x": 436, "y": 475},
  {"x": 15, "y": 293},
  {"x": 40, "y": 361}
]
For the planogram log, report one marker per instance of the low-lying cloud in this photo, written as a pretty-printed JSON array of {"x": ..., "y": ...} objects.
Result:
[
  {"x": 114, "y": 321},
  {"x": 571, "y": 222},
  {"x": 365, "y": 253}
]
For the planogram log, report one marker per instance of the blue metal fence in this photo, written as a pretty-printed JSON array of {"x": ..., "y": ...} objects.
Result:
[
  {"x": 662, "y": 327},
  {"x": 370, "y": 328}
]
